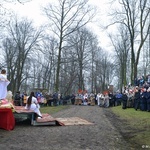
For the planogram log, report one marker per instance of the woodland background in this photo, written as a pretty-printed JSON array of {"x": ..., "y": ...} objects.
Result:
[{"x": 64, "y": 55}]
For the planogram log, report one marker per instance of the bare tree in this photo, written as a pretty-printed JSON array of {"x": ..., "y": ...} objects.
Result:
[
  {"x": 5, "y": 13},
  {"x": 48, "y": 49},
  {"x": 93, "y": 53},
  {"x": 82, "y": 48},
  {"x": 68, "y": 74},
  {"x": 66, "y": 18},
  {"x": 104, "y": 70},
  {"x": 87, "y": 66},
  {"x": 19, "y": 46},
  {"x": 13, "y": 1},
  {"x": 145, "y": 61},
  {"x": 121, "y": 46},
  {"x": 134, "y": 15}
]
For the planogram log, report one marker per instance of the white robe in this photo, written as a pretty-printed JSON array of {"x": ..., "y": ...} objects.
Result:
[
  {"x": 34, "y": 106},
  {"x": 98, "y": 99},
  {"x": 3, "y": 86}
]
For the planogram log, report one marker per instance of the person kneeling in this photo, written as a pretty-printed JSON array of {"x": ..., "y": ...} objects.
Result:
[{"x": 32, "y": 104}]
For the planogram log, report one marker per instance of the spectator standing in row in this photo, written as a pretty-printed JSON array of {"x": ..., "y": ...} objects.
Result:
[
  {"x": 148, "y": 99},
  {"x": 124, "y": 99},
  {"x": 111, "y": 99},
  {"x": 55, "y": 99},
  {"x": 143, "y": 105},
  {"x": 60, "y": 99},
  {"x": 118, "y": 98},
  {"x": 18, "y": 99},
  {"x": 98, "y": 99},
  {"x": 137, "y": 98},
  {"x": 73, "y": 99},
  {"x": 106, "y": 100},
  {"x": 130, "y": 101}
]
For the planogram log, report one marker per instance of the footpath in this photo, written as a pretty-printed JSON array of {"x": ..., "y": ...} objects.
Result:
[{"x": 102, "y": 135}]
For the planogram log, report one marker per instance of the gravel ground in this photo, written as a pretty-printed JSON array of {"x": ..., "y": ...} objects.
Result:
[{"x": 102, "y": 135}]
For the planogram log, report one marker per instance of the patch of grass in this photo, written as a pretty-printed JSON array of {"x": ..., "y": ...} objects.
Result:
[
  {"x": 54, "y": 109},
  {"x": 138, "y": 121}
]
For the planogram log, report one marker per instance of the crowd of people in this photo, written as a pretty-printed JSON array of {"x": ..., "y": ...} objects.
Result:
[
  {"x": 134, "y": 97},
  {"x": 137, "y": 97}
]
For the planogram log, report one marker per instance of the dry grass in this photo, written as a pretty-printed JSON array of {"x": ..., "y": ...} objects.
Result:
[
  {"x": 54, "y": 109},
  {"x": 139, "y": 121}
]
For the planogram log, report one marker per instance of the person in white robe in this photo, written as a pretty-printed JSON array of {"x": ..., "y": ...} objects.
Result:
[
  {"x": 106, "y": 100},
  {"x": 4, "y": 82},
  {"x": 32, "y": 104},
  {"x": 98, "y": 99},
  {"x": 101, "y": 99}
]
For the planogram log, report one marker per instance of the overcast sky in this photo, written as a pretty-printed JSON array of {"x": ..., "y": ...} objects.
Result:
[{"x": 33, "y": 11}]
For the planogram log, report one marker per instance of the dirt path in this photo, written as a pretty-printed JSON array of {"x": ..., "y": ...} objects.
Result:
[{"x": 100, "y": 136}]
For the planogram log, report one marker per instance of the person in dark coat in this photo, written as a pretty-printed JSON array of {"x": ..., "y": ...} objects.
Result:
[
  {"x": 55, "y": 98},
  {"x": 124, "y": 100},
  {"x": 143, "y": 103},
  {"x": 73, "y": 99},
  {"x": 137, "y": 98},
  {"x": 148, "y": 99},
  {"x": 111, "y": 100},
  {"x": 114, "y": 100},
  {"x": 17, "y": 99}
]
